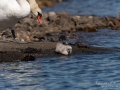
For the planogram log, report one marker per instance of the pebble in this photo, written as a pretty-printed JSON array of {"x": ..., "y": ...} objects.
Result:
[
  {"x": 90, "y": 17},
  {"x": 28, "y": 58},
  {"x": 51, "y": 13},
  {"x": 76, "y": 17},
  {"x": 52, "y": 16},
  {"x": 118, "y": 17}
]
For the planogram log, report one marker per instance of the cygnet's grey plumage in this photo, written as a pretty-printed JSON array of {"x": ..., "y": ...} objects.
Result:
[{"x": 63, "y": 49}]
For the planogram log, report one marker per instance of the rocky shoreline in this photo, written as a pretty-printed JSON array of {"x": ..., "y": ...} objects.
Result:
[
  {"x": 47, "y": 3},
  {"x": 56, "y": 27},
  {"x": 12, "y": 52}
]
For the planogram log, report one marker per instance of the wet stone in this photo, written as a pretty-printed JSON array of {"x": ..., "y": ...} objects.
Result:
[
  {"x": 52, "y": 16},
  {"x": 42, "y": 38},
  {"x": 62, "y": 37},
  {"x": 28, "y": 58},
  {"x": 29, "y": 50}
]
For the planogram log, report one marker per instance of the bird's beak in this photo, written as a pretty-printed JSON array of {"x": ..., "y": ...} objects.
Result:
[
  {"x": 39, "y": 17},
  {"x": 69, "y": 52}
]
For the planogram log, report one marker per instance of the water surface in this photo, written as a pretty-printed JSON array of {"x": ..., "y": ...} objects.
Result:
[
  {"x": 104, "y": 38},
  {"x": 88, "y": 7},
  {"x": 75, "y": 72}
]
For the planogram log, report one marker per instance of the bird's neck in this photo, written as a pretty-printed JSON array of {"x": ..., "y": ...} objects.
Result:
[{"x": 33, "y": 5}]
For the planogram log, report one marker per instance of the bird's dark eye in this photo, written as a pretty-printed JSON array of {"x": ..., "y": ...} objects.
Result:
[
  {"x": 69, "y": 51},
  {"x": 39, "y": 14}
]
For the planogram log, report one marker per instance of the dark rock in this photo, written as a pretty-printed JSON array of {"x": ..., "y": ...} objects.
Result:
[
  {"x": 53, "y": 39},
  {"x": 48, "y": 34},
  {"x": 42, "y": 38},
  {"x": 62, "y": 37},
  {"x": 28, "y": 58},
  {"x": 30, "y": 50},
  {"x": 83, "y": 45}
]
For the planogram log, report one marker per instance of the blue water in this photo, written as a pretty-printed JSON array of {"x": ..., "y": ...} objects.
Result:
[
  {"x": 88, "y": 7},
  {"x": 103, "y": 38},
  {"x": 75, "y": 72}
]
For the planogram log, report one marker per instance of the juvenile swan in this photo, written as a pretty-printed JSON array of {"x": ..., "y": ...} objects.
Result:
[
  {"x": 11, "y": 11},
  {"x": 63, "y": 49}
]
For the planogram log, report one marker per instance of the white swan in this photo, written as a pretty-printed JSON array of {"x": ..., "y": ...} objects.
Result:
[
  {"x": 63, "y": 49},
  {"x": 11, "y": 11}
]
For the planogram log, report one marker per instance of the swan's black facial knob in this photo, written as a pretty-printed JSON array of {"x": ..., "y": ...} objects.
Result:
[{"x": 39, "y": 17}]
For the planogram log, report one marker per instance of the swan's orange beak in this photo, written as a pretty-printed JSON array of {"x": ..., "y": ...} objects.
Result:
[{"x": 39, "y": 19}]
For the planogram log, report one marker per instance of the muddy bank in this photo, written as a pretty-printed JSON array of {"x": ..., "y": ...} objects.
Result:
[
  {"x": 56, "y": 27},
  {"x": 13, "y": 52}
]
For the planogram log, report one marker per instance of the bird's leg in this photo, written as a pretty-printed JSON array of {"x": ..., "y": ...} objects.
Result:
[
  {"x": 15, "y": 38},
  {"x": 13, "y": 33}
]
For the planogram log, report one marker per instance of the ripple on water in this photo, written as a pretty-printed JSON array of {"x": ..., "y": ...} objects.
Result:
[
  {"x": 88, "y": 7},
  {"x": 76, "y": 72},
  {"x": 65, "y": 73},
  {"x": 104, "y": 38}
]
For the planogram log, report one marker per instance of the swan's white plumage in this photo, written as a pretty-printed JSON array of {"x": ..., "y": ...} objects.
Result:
[{"x": 11, "y": 11}]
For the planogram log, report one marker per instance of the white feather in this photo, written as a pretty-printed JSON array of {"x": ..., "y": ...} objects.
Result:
[
  {"x": 63, "y": 49},
  {"x": 11, "y": 11}
]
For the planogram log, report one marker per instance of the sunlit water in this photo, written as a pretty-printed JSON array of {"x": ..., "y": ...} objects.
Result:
[
  {"x": 88, "y": 7},
  {"x": 104, "y": 38},
  {"x": 75, "y": 72}
]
